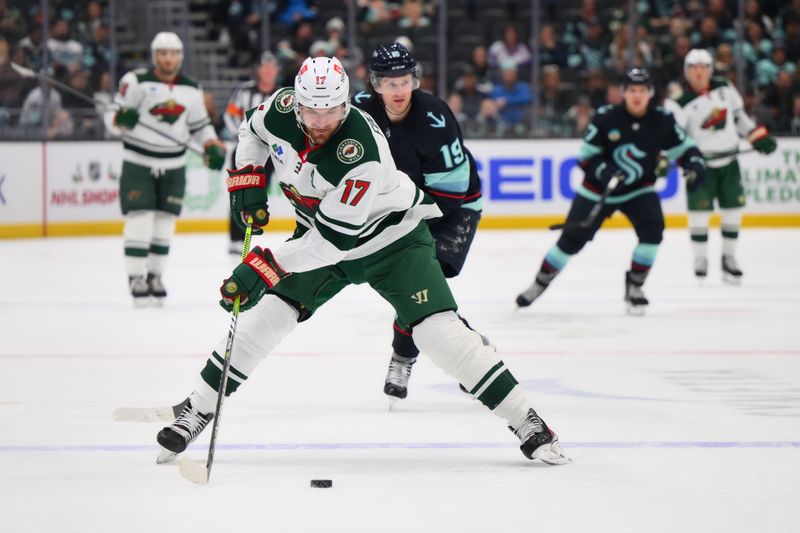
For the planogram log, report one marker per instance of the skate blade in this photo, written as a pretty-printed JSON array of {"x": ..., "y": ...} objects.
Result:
[
  {"x": 193, "y": 471},
  {"x": 140, "y": 303},
  {"x": 158, "y": 302},
  {"x": 165, "y": 456},
  {"x": 551, "y": 454},
  {"x": 732, "y": 280},
  {"x": 393, "y": 401},
  {"x": 636, "y": 310}
]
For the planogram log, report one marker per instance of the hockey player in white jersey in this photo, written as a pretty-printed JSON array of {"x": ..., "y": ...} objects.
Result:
[
  {"x": 711, "y": 111},
  {"x": 153, "y": 178},
  {"x": 247, "y": 96},
  {"x": 359, "y": 220}
]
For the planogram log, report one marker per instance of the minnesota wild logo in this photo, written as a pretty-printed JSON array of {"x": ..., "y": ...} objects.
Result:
[
  {"x": 284, "y": 103},
  {"x": 306, "y": 204},
  {"x": 169, "y": 111},
  {"x": 716, "y": 119},
  {"x": 349, "y": 151}
]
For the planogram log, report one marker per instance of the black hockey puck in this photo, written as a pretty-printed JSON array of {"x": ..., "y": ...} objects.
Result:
[{"x": 322, "y": 483}]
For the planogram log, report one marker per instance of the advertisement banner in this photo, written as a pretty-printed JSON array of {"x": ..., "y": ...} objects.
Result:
[
  {"x": 21, "y": 183},
  {"x": 539, "y": 177}
]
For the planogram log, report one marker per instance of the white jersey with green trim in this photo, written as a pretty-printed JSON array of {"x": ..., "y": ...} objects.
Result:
[
  {"x": 349, "y": 198},
  {"x": 176, "y": 108},
  {"x": 715, "y": 119}
]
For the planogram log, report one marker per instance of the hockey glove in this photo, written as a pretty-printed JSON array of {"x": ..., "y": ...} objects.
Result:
[
  {"x": 215, "y": 155},
  {"x": 248, "y": 193},
  {"x": 251, "y": 279},
  {"x": 662, "y": 166},
  {"x": 762, "y": 141},
  {"x": 127, "y": 118},
  {"x": 606, "y": 171},
  {"x": 694, "y": 171}
]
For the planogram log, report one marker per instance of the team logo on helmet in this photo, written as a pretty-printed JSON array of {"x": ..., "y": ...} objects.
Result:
[
  {"x": 284, "y": 104},
  {"x": 349, "y": 151}
]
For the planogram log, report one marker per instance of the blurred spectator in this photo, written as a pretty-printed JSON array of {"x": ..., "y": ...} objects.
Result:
[
  {"x": 756, "y": 45},
  {"x": 577, "y": 30},
  {"x": 293, "y": 12},
  {"x": 707, "y": 36},
  {"x": 512, "y": 98},
  {"x": 554, "y": 101},
  {"x": 778, "y": 97},
  {"x": 794, "y": 126},
  {"x": 791, "y": 37},
  {"x": 32, "y": 48},
  {"x": 66, "y": 53},
  {"x": 672, "y": 65},
  {"x": 593, "y": 51},
  {"x": 91, "y": 19},
  {"x": 12, "y": 85},
  {"x": 12, "y": 22},
  {"x": 550, "y": 51},
  {"x": 471, "y": 94},
  {"x": 82, "y": 112},
  {"x": 509, "y": 49},
  {"x": 717, "y": 10},
  {"x": 242, "y": 20},
  {"x": 480, "y": 63},
  {"x": 34, "y": 110},
  {"x": 596, "y": 87},
  {"x": 579, "y": 117},
  {"x": 374, "y": 15},
  {"x": 614, "y": 94},
  {"x": 334, "y": 28},
  {"x": 752, "y": 11},
  {"x": 320, "y": 49},
  {"x": 97, "y": 53},
  {"x": 302, "y": 37},
  {"x": 767, "y": 69},
  {"x": 412, "y": 15},
  {"x": 619, "y": 52}
]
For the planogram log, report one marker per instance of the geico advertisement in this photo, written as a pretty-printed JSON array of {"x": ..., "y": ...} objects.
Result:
[
  {"x": 20, "y": 183},
  {"x": 530, "y": 177}
]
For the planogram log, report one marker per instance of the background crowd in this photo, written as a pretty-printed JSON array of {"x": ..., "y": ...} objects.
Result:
[{"x": 583, "y": 47}]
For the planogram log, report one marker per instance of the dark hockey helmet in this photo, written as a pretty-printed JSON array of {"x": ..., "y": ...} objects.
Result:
[
  {"x": 637, "y": 76},
  {"x": 390, "y": 61}
]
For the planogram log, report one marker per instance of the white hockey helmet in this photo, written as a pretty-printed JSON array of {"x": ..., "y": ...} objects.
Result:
[
  {"x": 166, "y": 40},
  {"x": 698, "y": 56},
  {"x": 321, "y": 83}
]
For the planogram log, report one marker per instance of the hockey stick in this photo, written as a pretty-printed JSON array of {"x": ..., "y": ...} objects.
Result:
[
  {"x": 192, "y": 470},
  {"x": 732, "y": 153},
  {"x": 149, "y": 414},
  {"x": 593, "y": 214},
  {"x": 29, "y": 73}
]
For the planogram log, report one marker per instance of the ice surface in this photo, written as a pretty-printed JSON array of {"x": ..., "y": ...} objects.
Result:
[{"x": 684, "y": 420}]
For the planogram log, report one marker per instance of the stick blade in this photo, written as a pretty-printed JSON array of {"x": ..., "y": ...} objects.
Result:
[
  {"x": 557, "y": 226},
  {"x": 193, "y": 471},
  {"x": 23, "y": 71}
]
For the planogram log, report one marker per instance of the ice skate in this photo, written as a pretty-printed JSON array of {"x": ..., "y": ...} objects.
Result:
[
  {"x": 175, "y": 438},
  {"x": 157, "y": 289},
  {"x": 539, "y": 442},
  {"x": 396, "y": 386},
  {"x": 700, "y": 268},
  {"x": 730, "y": 270},
  {"x": 634, "y": 296},
  {"x": 140, "y": 290},
  {"x": 540, "y": 283}
]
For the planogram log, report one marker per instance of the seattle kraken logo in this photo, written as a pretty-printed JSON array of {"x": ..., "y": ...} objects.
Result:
[{"x": 625, "y": 156}]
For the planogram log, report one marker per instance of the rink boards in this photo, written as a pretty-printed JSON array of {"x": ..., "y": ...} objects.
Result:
[{"x": 72, "y": 188}]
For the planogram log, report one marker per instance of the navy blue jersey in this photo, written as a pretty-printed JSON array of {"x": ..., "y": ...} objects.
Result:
[
  {"x": 632, "y": 145},
  {"x": 428, "y": 146}
]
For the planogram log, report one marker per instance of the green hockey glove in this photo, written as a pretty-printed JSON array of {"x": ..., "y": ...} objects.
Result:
[
  {"x": 215, "y": 155},
  {"x": 127, "y": 118},
  {"x": 251, "y": 279},
  {"x": 762, "y": 141},
  {"x": 248, "y": 194}
]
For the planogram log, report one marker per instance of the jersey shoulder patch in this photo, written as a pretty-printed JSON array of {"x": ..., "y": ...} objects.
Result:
[
  {"x": 604, "y": 109},
  {"x": 362, "y": 98}
]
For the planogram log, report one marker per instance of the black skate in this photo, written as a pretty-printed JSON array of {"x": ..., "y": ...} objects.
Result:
[
  {"x": 634, "y": 296},
  {"x": 539, "y": 442},
  {"x": 157, "y": 289},
  {"x": 700, "y": 267},
  {"x": 542, "y": 281},
  {"x": 396, "y": 386},
  {"x": 140, "y": 290},
  {"x": 730, "y": 270},
  {"x": 175, "y": 438}
]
